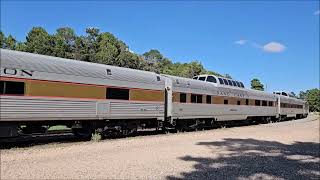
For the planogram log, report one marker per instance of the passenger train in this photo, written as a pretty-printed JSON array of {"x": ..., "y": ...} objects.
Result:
[{"x": 38, "y": 91}]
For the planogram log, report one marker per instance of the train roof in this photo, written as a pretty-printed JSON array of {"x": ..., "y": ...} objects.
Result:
[{"x": 76, "y": 68}]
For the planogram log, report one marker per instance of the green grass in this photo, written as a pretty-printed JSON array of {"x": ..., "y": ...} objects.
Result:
[{"x": 58, "y": 127}]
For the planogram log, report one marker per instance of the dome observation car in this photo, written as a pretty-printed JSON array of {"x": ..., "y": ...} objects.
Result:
[{"x": 219, "y": 80}]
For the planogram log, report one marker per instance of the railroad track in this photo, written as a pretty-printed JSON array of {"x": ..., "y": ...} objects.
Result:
[{"x": 65, "y": 136}]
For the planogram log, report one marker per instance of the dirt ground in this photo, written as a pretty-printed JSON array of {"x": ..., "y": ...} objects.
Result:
[{"x": 286, "y": 150}]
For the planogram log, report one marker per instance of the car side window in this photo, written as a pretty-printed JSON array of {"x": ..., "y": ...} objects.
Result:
[
  {"x": 234, "y": 83},
  {"x": 221, "y": 81},
  {"x": 211, "y": 79},
  {"x": 225, "y": 82},
  {"x": 202, "y": 78}
]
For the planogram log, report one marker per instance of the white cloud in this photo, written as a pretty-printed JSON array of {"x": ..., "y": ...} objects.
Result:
[
  {"x": 274, "y": 47},
  {"x": 317, "y": 12},
  {"x": 241, "y": 42}
]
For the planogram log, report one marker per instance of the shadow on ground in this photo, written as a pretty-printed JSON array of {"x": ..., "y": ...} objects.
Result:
[
  {"x": 255, "y": 159},
  {"x": 64, "y": 138}
]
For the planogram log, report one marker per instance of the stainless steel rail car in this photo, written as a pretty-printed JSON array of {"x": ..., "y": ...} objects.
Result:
[{"x": 38, "y": 91}]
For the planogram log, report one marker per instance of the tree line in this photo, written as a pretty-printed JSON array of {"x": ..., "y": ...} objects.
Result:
[
  {"x": 99, "y": 47},
  {"x": 105, "y": 48}
]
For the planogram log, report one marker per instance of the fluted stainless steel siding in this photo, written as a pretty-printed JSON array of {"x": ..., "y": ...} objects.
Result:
[
  {"x": 32, "y": 109},
  {"x": 22, "y": 108},
  {"x": 136, "y": 108}
]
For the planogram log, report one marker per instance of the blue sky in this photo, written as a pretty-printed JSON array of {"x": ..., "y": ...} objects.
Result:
[{"x": 277, "y": 42}]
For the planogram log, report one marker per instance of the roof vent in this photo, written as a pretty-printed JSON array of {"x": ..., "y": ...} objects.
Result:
[{"x": 109, "y": 72}]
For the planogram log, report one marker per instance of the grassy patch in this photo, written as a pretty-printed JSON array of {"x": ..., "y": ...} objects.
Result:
[
  {"x": 96, "y": 136},
  {"x": 58, "y": 127}
]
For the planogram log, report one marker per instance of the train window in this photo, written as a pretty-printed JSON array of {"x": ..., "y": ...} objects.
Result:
[
  {"x": 12, "y": 88},
  {"x": 183, "y": 97},
  {"x": 234, "y": 83},
  {"x": 247, "y": 101},
  {"x": 208, "y": 99},
  {"x": 158, "y": 78},
  {"x": 116, "y": 93},
  {"x": 199, "y": 98},
  {"x": 225, "y": 82},
  {"x": 226, "y": 101},
  {"x": 285, "y": 94},
  {"x": 211, "y": 79},
  {"x": 264, "y": 103},
  {"x": 238, "y": 84},
  {"x": 241, "y": 84},
  {"x": 196, "y": 98},
  {"x": 257, "y": 102},
  {"x": 230, "y": 82},
  {"x": 1, "y": 87},
  {"x": 238, "y": 102},
  {"x": 221, "y": 81},
  {"x": 196, "y": 77},
  {"x": 193, "y": 98},
  {"x": 270, "y": 103},
  {"x": 203, "y": 78}
]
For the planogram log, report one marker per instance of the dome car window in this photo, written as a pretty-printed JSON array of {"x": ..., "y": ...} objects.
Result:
[
  {"x": 211, "y": 79},
  {"x": 241, "y": 84},
  {"x": 230, "y": 82},
  {"x": 202, "y": 78},
  {"x": 221, "y": 81},
  {"x": 225, "y": 82},
  {"x": 234, "y": 83},
  {"x": 238, "y": 84}
]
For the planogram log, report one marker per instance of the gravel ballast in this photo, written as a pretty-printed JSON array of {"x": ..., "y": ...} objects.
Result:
[{"x": 285, "y": 150}]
